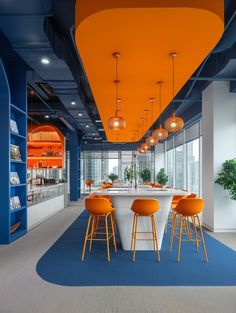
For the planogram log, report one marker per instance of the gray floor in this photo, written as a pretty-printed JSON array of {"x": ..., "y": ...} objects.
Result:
[{"x": 23, "y": 291}]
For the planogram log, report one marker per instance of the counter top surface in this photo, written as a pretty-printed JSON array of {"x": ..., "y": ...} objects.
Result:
[
  {"x": 40, "y": 187},
  {"x": 126, "y": 192}
]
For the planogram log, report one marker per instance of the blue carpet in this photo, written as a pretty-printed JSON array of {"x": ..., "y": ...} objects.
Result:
[{"x": 62, "y": 265}]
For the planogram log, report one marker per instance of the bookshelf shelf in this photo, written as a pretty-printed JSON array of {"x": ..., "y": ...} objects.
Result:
[
  {"x": 17, "y": 234},
  {"x": 18, "y": 209},
  {"x": 45, "y": 158},
  {"x": 16, "y": 109},
  {"x": 17, "y": 185},
  {"x": 17, "y": 135},
  {"x": 13, "y": 116},
  {"x": 18, "y": 162}
]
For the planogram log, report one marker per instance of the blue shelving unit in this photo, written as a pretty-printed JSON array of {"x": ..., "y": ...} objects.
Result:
[{"x": 13, "y": 99}]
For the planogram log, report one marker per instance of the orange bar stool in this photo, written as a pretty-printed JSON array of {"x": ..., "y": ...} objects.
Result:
[
  {"x": 92, "y": 195},
  {"x": 174, "y": 202},
  {"x": 89, "y": 183},
  {"x": 99, "y": 208},
  {"x": 185, "y": 209},
  {"x": 144, "y": 207}
]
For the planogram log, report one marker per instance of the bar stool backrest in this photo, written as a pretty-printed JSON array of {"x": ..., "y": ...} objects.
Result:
[
  {"x": 92, "y": 195},
  {"x": 192, "y": 196},
  {"x": 98, "y": 206},
  {"x": 145, "y": 206},
  {"x": 190, "y": 207}
]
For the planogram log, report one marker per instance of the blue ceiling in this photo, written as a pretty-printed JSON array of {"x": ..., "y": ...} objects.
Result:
[{"x": 45, "y": 28}]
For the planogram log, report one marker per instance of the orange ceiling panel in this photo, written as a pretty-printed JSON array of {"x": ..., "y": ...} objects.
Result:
[{"x": 144, "y": 32}]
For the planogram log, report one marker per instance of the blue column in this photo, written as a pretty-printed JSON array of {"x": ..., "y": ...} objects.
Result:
[{"x": 75, "y": 151}]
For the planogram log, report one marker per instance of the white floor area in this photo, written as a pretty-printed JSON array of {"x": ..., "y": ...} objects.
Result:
[{"x": 23, "y": 291}]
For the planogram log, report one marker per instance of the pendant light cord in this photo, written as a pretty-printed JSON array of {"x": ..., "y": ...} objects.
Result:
[
  {"x": 116, "y": 55},
  {"x": 142, "y": 119},
  {"x": 173, "y": 55},
  {"x": 152, "y": 113},
  {"x": 160, "y": 97},
  {"x": 116, "y": 84}
]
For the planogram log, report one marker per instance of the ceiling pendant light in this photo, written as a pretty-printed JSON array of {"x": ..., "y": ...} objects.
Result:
[
  {"x": 173, "y": 123},
  {"x": 160, "y": 133},
  {"x": 116, "y": 122},
  {"x": 151, "y": 140}
]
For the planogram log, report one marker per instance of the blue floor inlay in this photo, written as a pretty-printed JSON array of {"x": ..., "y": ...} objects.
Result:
[{"x": 62, "y": 265}]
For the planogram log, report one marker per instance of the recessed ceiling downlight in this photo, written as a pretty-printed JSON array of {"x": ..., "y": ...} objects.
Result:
[{"x": 45, "y": 60}]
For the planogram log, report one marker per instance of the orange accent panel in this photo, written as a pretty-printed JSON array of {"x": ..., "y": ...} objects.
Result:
[
  {"x": 144, "y": 32},
  {"x": 45, "y": 147}
]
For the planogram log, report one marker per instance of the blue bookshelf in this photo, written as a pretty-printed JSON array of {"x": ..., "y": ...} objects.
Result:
[{"x": 13, "y": 98}]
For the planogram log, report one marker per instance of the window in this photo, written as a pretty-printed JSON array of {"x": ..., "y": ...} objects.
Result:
[
  {"x": 182, "y": 154},
  {"x": 97, "y": 165},
  {"x": 170, "y": 167},
  {"x": 193, "y": 165},
  {"x": 179, "y": 167}
]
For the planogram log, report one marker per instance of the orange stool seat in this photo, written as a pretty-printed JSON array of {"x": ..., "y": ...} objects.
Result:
[
  {"x": 144, "y": 207},
  {"x": 99, "y": 208},
  {"x": 185, "y": 209}
]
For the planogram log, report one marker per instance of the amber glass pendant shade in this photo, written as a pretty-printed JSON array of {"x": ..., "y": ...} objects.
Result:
[
  {"x": 116, "y": 123},
  {"x": 174, "y": 123},
  {"x": 141, "y": 150},
  {"x": 152, "y": 141},
  {"x": 145, "y": 146},
  {"x": 160, "y": 133}
]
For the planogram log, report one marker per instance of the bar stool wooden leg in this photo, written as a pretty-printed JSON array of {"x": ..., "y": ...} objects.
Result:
[
  {"x": 135, "y": 235},
  {"x": 113, "y": 232},
  {"x": 114, "y": 221},
  {"x": 189, "y": 228},
  {"x": 203, "y": 241},
  {"x": 155, "y": 235},
  {"x": 107, "y": 239},
  {"x": 92, "y": 233},
  {"x": 132, "y": 235},
  {"x": 180, "y": 235},
  {"x": 195, "y": 232},
  {"x": 86, "y": 237},
  {"x": 172, "y": 230}
]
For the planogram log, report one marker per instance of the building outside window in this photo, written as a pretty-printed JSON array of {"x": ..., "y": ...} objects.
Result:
[
  {"x": 183, "y": 159},
  {"x": 179, "y": 167},
  {"x": 193, "y": 165},
  {"x": 170, "y": 167}
]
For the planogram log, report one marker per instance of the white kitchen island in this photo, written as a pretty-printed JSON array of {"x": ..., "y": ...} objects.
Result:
[{"x": 122, "y": 199}]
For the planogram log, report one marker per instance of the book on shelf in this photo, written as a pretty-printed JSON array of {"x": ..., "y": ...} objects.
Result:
[
  {"x": 15, "y": 203},
  {"x": 15, "y": 153},
  {"x": 14, "y": 178},
  {"x": 13, "y": 126}
]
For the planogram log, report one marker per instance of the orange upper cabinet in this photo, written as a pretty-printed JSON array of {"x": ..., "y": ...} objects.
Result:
[{"x": 144, "y": 32}]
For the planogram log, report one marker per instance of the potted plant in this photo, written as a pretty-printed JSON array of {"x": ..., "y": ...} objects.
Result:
[
  {"x": 146, "y": 175},
  {"x": 162, "y": 178},
  {"x": 112, "y": 177},
  {"x": 227, "y": 177}
]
